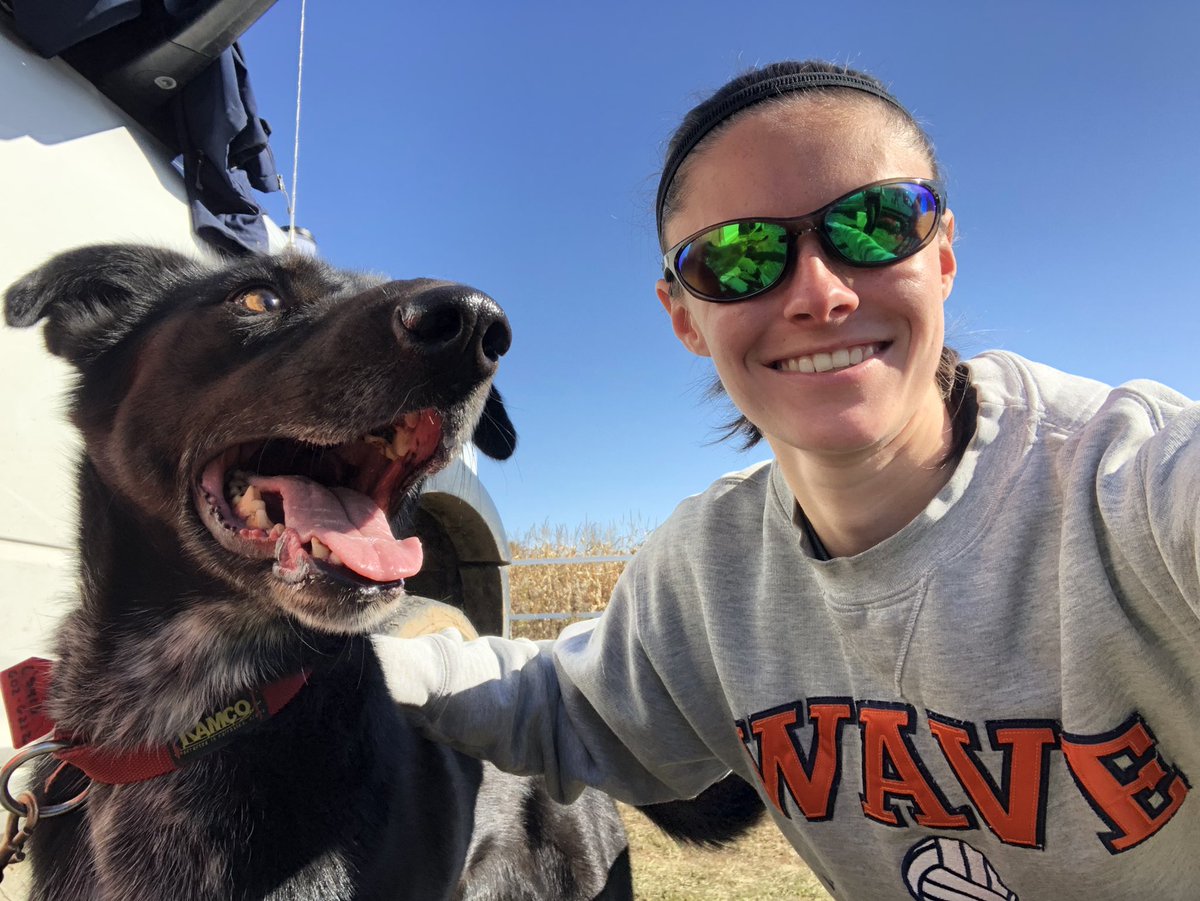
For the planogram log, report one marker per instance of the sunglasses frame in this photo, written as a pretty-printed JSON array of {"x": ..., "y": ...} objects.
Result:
[{"x": 795, "y": 226}]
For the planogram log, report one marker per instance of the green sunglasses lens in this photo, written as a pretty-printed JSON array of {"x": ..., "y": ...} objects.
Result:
[
  {"x": 873, "y": 226},
  {"x": 734, "y": 261},
  {"x": 881, "y": 224}
]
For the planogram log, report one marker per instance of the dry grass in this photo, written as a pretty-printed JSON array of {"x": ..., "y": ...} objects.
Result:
[
  {"x": 566, "y": 587},
  {"x": 762, "y": 866}
]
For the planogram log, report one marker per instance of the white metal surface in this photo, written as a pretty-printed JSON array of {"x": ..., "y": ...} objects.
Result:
[{"x": 73, "y": 170}]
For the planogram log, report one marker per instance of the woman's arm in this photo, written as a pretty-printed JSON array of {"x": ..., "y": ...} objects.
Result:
[{"x": 586, "y": 709}]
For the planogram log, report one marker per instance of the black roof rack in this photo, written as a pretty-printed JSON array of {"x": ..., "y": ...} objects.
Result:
[{"x": 141, "y": 63}]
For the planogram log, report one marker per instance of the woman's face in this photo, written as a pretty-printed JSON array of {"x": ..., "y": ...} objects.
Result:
[{"x": 781, "y": 162}]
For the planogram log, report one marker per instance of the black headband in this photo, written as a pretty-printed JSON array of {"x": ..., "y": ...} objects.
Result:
[{"x": 748, "y": 96}]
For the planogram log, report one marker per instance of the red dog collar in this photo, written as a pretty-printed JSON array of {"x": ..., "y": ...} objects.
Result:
[{"x": 25, "y": 685}]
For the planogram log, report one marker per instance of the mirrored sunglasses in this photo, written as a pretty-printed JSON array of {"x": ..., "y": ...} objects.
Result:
[{"x": 875, "y": 225}]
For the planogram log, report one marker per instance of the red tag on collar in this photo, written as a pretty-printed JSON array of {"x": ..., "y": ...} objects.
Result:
[{"x": 25, "y": 687}]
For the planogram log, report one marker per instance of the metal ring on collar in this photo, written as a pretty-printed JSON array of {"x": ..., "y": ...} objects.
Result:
[{"x": 40, "y": 748}]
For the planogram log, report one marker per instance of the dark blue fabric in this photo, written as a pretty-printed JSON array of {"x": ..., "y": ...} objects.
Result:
[
  {"x": 226, "y": 155},
  {"x": 51, "y": 26},
  {"x": 223, "y": 142}
]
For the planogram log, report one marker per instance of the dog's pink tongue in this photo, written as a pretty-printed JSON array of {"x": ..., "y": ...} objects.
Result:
[{"x": 349, "y": 523}]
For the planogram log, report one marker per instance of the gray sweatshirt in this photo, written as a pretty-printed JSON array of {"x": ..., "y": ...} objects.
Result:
[{"x": 1001, "y": 700}]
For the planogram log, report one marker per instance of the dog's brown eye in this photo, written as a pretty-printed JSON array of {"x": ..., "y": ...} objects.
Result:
[{"x": 259, "y": 300}]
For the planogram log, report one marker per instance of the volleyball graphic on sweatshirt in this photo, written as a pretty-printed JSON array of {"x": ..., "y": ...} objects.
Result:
[{"x": 945, "y": 869}]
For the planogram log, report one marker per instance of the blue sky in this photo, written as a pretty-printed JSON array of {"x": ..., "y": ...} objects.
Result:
[{"x": 516, "y": 147}]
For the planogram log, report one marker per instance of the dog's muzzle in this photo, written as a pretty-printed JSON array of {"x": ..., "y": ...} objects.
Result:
[{"x": 326, "y": 507}]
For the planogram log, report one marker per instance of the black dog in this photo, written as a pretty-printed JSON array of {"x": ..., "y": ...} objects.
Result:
[{"x": 250, "y": 429}]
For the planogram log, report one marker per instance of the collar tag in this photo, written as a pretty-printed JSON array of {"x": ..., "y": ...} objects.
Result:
[
  {"x": 218, "y": 727},
  {"x": 25, "y": 687}
]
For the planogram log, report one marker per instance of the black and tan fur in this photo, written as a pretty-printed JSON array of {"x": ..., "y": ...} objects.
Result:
[{"x": 337, "y": 796}]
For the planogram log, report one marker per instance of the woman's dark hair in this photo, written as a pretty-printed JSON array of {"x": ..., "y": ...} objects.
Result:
[{"x": 772, "y": 84}]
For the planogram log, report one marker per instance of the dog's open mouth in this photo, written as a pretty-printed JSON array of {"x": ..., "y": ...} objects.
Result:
[{"x": 322, "y": 507}]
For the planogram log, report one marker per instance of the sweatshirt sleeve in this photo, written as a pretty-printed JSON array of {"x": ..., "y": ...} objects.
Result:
[
  {"x": 1148, "y": 495},
  {"x": 1172, "y": 486},
  {"x": 588, "y": 708}
]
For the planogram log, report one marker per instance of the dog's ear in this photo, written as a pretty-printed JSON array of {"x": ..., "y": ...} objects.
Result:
[
  {"x": 495, "y": 434},
  {"x": 92, "y": 296}
]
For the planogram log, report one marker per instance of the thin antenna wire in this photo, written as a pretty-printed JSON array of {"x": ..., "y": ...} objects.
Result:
[{"x": 296, "y": 146}]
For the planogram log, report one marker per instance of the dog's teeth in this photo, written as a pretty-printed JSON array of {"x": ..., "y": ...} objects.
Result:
[
  {"x": 278, "y": 529},
  {"x": 259, "y": 520},
  {"x": 321, "y": 552},
  {"x": 237, "y": 485},
  {"x": 382, "y": 445},
  {"x": 247, "y": 503},
  {"x": 253, "y": 509},
  {"x": 401, "y": 443}
]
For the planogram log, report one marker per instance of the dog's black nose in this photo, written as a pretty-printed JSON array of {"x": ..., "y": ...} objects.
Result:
[{"x": 453, "y": 320}]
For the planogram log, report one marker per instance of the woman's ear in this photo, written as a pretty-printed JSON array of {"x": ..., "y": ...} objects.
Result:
[
  {"x": 682, "y": 322},
  {"x": 946, "y": 258}
]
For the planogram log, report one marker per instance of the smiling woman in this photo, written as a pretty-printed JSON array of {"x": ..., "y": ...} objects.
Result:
[{"x": 969, "y": 590}]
